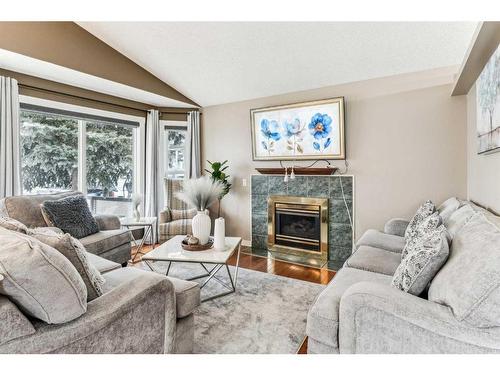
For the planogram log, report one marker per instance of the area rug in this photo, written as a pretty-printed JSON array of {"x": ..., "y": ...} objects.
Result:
[{"x": 267, "y": 314}]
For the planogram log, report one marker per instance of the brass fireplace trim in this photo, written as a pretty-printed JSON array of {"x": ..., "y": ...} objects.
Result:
[{"x": 289, "y": 203}]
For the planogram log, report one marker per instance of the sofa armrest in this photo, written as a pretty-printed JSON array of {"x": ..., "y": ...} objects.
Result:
[
  {"x": 378, "y": 318},
  {"x": 107, "y": 222},
  {"x": 165, "y": 216},
  {"x": 138, "y": 316},
  {"x": 396, "y": 227}
]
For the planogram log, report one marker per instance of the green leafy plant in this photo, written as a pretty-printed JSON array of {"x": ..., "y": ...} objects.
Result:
[{"x": 217, "y": 174}]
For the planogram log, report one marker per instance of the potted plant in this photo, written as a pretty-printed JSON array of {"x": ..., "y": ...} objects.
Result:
[
  {"x": 201, "y": 193},
  {"x": 217, "y": 173}
]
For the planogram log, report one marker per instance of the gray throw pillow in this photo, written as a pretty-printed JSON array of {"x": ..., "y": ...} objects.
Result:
[
  {"x": 423, "y": 211},
  {"x": 39, "y": 279},
  {"x": 422, "y": 229},
  {"x": 72, "y": 215},
  {"x": 420, "y": 266},
  {"x": 75, "y": 252}
]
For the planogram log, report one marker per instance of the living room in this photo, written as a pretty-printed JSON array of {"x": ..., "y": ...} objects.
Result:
[{"x": 173, "y": 187}]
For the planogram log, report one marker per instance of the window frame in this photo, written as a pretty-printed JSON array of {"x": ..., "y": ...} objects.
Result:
[
  {"x": 167, "y": 125},
  {"x": 84, "y": 114}
]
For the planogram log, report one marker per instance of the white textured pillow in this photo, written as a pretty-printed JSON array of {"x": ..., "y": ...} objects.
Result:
[
  {"x": 39, "y": 279},
  {"x": 447, "y": 208},
  {"x": 423, "y": 211},
  {"x": 458, "y": 219},
  {"x": 419, "y": 267}
]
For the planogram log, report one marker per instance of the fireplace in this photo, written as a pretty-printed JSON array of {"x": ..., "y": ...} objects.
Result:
[{"x": 298, "y": 227}]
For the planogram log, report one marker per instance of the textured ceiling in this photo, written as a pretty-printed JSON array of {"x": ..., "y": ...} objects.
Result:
[{"x": 215, "y": 63}]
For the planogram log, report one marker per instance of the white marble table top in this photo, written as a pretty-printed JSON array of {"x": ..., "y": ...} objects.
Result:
[
  {"x": 132, "y": 222},
  {"x": 172, "y": 251}
]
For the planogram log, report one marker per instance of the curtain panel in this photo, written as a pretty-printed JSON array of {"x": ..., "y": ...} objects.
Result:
[
  {"x": 10, "y": 161},
  {"x": 193, "y": 148},
  {"x": 153, "y": 177}
]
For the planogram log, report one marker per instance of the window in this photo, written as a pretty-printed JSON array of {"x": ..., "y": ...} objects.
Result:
[
  {"x": 175, "y": 146},
  {"x": 63, "y": 150},
  {"x": 49, "y": 153}
]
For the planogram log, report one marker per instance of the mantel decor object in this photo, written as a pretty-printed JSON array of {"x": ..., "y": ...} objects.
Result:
[{"x": 302, "y": 131}]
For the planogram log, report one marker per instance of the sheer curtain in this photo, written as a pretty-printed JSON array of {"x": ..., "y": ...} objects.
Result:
[
  {"x": 10, "y": 161},
  {"x": 153, "y": 164},
  {"x": 193, "y": 149}
]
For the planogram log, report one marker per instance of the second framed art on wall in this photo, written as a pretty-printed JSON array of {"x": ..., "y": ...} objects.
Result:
[{"x": 307, "y": 131}]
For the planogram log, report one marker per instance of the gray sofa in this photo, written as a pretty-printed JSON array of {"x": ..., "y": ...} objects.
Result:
[
  {"x": 111, "y": 242},
  {"x": 360, "y": 312},
  {"x": 139, "y": 312}
]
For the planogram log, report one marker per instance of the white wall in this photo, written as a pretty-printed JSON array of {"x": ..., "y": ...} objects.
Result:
[
  {"x": 406, "y": 142},
  {"x": 483, "y": 171}
]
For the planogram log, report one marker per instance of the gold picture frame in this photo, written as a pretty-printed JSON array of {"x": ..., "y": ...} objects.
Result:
[{"x": 301, "y": 131}]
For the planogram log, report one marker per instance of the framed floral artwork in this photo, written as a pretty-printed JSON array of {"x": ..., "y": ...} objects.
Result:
[{"x": 310, "y": 130}]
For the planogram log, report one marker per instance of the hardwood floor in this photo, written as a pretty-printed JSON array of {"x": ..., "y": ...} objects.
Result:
[{"x": 275, "y": 267}]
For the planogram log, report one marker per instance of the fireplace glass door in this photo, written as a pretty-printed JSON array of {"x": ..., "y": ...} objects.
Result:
[{"x": 298, "y": 226}]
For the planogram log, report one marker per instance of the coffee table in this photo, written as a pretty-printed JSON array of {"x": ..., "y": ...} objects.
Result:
[{"x": 172, "y": 252}]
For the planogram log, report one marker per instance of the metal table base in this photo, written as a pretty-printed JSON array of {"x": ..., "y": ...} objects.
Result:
[{"x": 211, "y": 274}]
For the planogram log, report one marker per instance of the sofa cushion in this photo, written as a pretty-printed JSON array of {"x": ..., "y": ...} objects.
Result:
[
  {"x": 469, "y": 282},
  {"x": 13, "y": 323},
  {"x": 101, "y": 264},
  {"x": 26, "y": 208},
  {"x": 187, "y": 296},
  {"x": 373, "y": 259},
  {"x": 72, "y": 215},
  {"x": 424, "y": 260},
  {"x": 323, "y": 316},
  {"x": 39, "y": 279},
  {"x": 458, "y": 219},
  {"x": 182, "y": 214},
  {"x": 425, "y": 210},
  {"x": 381, "y": 240},
  {"x": 74, "y": 251},
  {"x": 187, "y": 293},
  {"x": 447, "y": 208},
  {"x": 173, "y": 228},
  {"x": 105, "y": 240},
  {"x": 12, "y": 224}
]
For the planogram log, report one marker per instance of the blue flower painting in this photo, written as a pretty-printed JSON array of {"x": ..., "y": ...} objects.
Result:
[{"x": 312, "y": 130}]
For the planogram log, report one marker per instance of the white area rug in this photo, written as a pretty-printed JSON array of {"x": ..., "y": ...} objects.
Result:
[{"x": 267, "y": 314}]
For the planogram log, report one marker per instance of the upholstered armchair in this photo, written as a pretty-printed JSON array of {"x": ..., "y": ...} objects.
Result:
[{"x": 176, "y": 217}]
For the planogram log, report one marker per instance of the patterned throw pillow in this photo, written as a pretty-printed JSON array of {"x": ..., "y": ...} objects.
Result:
[
  {"x": 422, "y": 229},
  {"x": 75, "y": 252},
  {"x": 420, "y": 266},
  {"x": 423, "y": 211},
  {"x": 72, "y": 215},
  {"x": 12, "y": 224}
]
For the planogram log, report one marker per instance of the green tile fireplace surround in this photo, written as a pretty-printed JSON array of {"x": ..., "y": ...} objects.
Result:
[{"x": 340, "y": 232}]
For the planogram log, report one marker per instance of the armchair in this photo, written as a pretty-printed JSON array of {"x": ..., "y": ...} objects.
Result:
[{"x": 176, "y": 217}]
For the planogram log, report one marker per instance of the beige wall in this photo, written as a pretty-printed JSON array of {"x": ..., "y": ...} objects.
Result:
[
  {"x": 483, "y": 171},
  {"x": 406, "y": 142}
]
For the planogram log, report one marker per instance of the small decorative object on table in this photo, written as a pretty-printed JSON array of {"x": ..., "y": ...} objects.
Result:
[
  {"x": 191, "y": 243},
  {"x": 201, "y": 193},
  {"x": 136, "y": 202}
]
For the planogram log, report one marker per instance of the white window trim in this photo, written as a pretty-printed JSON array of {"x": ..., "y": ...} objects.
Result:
[
  {"x": 170, "y": 123},
  {"x": 139, "y": 147}
]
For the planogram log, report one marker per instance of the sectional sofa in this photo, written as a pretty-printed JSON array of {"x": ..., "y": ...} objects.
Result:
[{"x": 361, "y": 312}]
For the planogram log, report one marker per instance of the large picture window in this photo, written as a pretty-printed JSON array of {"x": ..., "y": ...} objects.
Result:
[{"x": 63, "y": 150}]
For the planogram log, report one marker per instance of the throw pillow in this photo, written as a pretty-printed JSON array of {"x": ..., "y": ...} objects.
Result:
[
  {"x": 458, "y": 219},
  {"x": 72, "y": 215},
  {"x": 39, "y": 279},
  {"x": 447, "y": 208},
  {"x": 423, "y": 211},
  {"x": 422, "y": 229},
  {"x": 12, "y": 224},
  {"x": 75, "y": 252},
  {"x": 420, "y": 266}
]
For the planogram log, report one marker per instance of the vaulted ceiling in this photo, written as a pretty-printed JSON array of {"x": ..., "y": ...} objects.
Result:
[{"x": 215, "y": 63}]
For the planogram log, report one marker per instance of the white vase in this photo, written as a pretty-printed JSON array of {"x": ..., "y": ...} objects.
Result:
[{"x": 201, "y": 226}]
